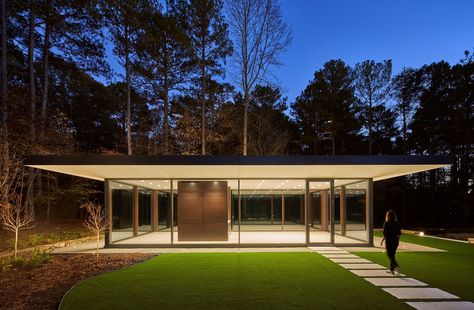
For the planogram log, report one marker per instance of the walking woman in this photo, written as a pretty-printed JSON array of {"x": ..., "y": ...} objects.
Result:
[{"x": 391, "y": 236}]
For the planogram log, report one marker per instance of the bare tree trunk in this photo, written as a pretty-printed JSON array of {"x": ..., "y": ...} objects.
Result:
[
  {"x": 44, "y": 99},
  {"x": 246, "y": 108},
  {"x": 333, "y": 146},
  {"x": 370, "y": 125},
  {"x": 48, "y": 204},
  {"x": 97, "y": 253},
  {"x": 203, "y": 106},
  {"x": 32, "y": 84},
  {"x": 166, "y": 115},
  {"x": 29, "y": 192},
  {"x": 31, "y": 71},
  {"x": 129, "y": 108},
  {"x": 4, "y": 127},
  {"x": 404, "y": 129},
  {"x": 16, "y": 243},
  {"x": 432, "y": 212}
]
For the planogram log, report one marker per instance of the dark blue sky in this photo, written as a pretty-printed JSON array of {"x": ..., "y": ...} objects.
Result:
[{"x": 410, "y": 32}]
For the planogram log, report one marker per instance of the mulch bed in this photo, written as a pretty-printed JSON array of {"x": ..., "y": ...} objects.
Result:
[
  {"x": 44, "y": 286},
  {"x": 41, "y": 228}
]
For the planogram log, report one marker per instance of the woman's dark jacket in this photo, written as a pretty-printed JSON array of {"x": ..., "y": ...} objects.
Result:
[{"x": 391, "y": 232}]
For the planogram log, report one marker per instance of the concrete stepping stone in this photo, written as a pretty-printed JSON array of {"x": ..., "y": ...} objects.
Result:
[
  {"x": 340, "y": 256},
  {"x": 395, "y": 282},
  {"x": 332, "y": 252},
  {"x": 373, "y": 273},
  {"x": 442, "y": 305},
  {"x": 362, "y": 266},
  {"x": 323, "y": 248},
  {"x": 419, "y": 293},
  {"x": 350, "y": 260}
]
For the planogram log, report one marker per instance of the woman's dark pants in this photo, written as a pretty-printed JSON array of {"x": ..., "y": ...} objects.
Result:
[{"x": 391, "y": 250}]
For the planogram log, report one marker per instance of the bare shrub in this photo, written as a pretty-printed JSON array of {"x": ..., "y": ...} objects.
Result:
[
  {"x": 96, "y": 221},
  {"x": 14, "y": 190}
]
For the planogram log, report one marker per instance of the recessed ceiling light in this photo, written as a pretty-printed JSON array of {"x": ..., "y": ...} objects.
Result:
[{"x": 141, "y": 181}]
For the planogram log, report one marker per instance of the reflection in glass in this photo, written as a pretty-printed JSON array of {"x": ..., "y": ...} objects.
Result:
[
  {"x": 121, "y": 212},
  {"x": 164, "y": 214},
  {"x": 294, "y": 209},
  {"x": 350, "y": 211},
  {"x": 318, "y": 212},
  {"x": 144, "y": 211},
  {"x": 272, "y": 211}
]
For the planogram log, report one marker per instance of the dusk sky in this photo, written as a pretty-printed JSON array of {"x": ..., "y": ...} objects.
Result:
[{"x": 410, "y": 32}]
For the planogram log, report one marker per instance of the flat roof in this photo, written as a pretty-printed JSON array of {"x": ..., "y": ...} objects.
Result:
[{"x": 100, "y": 167}]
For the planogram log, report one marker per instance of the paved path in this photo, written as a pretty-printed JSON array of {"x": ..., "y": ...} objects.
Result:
[{"x": 415, "y": 293}]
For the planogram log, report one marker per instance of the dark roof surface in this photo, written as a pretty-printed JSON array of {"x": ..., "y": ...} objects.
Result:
[{"x": 237, "y": 160}]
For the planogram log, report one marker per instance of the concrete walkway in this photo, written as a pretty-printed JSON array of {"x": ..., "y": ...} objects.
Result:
[
  {"x": 89, "y": 247},
  {"x": 415, "y": 293}
]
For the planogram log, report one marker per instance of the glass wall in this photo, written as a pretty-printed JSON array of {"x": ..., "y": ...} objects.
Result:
[
  {"x": 144, "y": 211},
  {"x": 294, "y": 208},
  {"x": 266, "y": 211},
  {"x": 319, "y": 211},
  {"x": 140, "y": 211},
  {"x": 272, "y": 211},
  {"x": 356, "y": 215},
  {"x": 164, "y": 210},
  {"x": 162, "y": 231},
  {"x": 351, "y": 211},
  {"x": 122, "y": 197}
]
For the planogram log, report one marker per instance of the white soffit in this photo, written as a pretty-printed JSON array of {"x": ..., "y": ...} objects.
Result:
[{"x": 101, "y": 172}]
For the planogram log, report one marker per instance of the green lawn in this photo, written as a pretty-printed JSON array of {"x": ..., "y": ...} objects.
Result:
[
  {"x": 230, "y": 281},
  {"x": 452, "y": 271}
]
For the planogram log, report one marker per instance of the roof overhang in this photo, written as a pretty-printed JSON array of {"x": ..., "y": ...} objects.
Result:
[{"x": 101, "y": 167}]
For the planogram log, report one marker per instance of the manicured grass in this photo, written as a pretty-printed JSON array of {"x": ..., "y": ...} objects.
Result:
[
  {"x": 230, "y": 281},
  {"x": 452, "y": 270}
]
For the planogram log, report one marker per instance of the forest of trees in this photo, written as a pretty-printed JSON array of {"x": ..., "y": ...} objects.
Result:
[{"x": 197, "y": 79}]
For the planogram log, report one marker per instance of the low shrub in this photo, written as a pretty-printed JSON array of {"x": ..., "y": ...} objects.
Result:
[
  {"x": 39, "y": 257},
  {"x": 18, "y": 262},
  {"x": 37, "y": 239},
  {"x": 4, "y": 264}
]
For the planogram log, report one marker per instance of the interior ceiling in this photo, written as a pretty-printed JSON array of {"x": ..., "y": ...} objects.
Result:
[
  {"x": 260, "y": 185},
  {"x": 138, "y": 172}
]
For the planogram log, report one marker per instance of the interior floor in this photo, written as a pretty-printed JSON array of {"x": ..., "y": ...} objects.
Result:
[{"x": 249, "y": 234}]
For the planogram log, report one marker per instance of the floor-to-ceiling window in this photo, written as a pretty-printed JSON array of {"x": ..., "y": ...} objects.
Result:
[
  {"x": 319, "y": 206},
  {"x": 144, "y": 211},
  {"x": 245, "y": 211},
  {"x": 122, "y": 208},
  {"x": 140, "y": 212},
  {"x": 351, "y": 201},
  {"x": 272, "y": 211}
]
